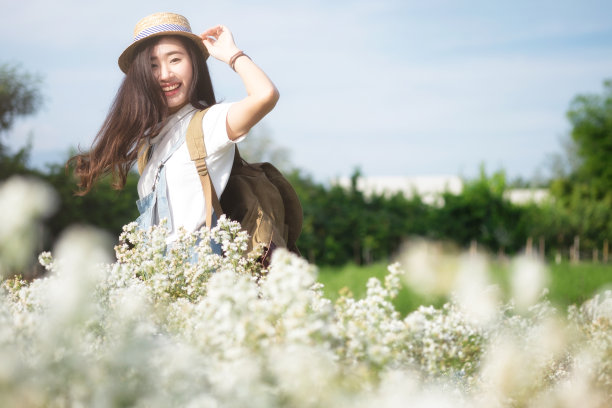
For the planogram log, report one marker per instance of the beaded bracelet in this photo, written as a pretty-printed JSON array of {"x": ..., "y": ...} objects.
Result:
[{"x": 237, "y": 55}]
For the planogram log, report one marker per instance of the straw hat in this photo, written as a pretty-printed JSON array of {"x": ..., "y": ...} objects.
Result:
[{"x": 156, "y": 25}]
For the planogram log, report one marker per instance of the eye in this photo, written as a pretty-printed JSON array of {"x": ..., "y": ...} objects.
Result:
[{"x": 175, "y": 60}]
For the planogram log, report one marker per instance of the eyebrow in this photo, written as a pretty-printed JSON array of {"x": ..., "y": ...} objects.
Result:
[{"x": 169, "y": 54}]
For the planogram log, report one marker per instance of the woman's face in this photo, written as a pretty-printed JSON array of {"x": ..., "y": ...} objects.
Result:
[{"x": 172, "y": 68}]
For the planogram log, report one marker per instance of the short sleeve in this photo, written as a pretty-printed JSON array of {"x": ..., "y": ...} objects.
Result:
[{"x": 215, "y": 129}]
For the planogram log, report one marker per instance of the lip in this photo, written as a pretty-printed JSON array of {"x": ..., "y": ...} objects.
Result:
[{"x": 174, "y": 91}]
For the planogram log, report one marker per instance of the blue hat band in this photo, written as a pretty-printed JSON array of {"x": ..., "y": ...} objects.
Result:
[{"x": 160, "y": 28}]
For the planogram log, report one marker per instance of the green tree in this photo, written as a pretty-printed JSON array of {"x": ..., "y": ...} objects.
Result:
[
  {"x": 16, "y": 163},
  {"x": 591, "y": 118},
  {"x": 343, "y": 225},
  {"x": 481, "y": 213},
  {"x": 584, "y": 192},
  {"x": 102, "y": 207},
  {"x": 19, "y": 94}
]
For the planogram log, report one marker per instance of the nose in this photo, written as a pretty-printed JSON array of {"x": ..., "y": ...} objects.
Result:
[{"x": 164, "y": 72}]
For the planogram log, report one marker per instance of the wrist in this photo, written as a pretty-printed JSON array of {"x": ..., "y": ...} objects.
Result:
[{"x": 234, "y": 58}]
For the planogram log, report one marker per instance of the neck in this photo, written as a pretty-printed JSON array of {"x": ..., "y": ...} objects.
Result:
[{"x": 175, "y": 109}]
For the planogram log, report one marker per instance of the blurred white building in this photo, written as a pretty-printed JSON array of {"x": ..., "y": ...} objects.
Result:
[
  {"x": 430, "y": 188},
  {"x": 527, "y": 195}
]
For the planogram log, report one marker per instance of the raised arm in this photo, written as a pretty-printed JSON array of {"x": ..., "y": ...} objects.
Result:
[{"x": 262, "y": 95}]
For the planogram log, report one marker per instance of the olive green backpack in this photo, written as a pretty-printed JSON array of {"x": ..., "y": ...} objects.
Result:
[{"x": 257, "y": 195}]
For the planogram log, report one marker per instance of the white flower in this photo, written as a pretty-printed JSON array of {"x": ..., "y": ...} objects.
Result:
[
  {"x": 430, "y": 268},
  {"x": 473, "y": 291},
  {"x": 176, "y": 325},
  {"x": 23, "y": 203},
  {"x": 528, "y": 279}
]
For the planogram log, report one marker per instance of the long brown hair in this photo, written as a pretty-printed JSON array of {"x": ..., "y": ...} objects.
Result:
[{"x": 138, "y": 112}]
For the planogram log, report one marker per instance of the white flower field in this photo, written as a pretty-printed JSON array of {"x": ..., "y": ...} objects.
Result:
[{"x": 159, "y": 326}]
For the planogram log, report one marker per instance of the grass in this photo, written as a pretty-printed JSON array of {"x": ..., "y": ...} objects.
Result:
[
  {"x": 573, "y": 284},
  {"x": 355, "y": 278},
  {"x": 569, "y": 283}
]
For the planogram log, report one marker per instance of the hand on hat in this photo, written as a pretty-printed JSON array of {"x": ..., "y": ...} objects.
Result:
[{"x": 220, "y": 43}]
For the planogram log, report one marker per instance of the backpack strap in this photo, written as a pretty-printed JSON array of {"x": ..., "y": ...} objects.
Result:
[
  {"x": 144, "y": 155},
  {"x": 197, "y": 152}
]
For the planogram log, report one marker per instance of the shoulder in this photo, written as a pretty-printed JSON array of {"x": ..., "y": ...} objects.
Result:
[
  {"x": 214, "y": 126},
  {"x": 214, "y": 121},
  {"x": 216, "y": 112}
]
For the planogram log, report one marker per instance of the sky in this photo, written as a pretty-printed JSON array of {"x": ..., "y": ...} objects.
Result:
[{"x": 393, "y": 88}]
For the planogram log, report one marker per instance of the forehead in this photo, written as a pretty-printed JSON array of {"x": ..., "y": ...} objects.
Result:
[{"x": 167, "y": 45}]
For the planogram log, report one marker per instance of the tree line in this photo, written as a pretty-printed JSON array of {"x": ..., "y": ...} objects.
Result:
[{"x": 343, "y": 225}]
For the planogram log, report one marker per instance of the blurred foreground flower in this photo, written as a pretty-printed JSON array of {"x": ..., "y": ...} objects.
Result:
[
  {"x": 177, "y": 325},
  {"x": 528, "y": 279},
  {"x": 24, "y": 202},
  {"x": 430, "y": 267}
]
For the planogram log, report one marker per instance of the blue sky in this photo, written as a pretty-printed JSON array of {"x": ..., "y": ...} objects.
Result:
[{"x": 397, "y": 88}]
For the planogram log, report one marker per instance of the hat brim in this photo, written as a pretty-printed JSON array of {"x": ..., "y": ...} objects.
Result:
[{"x": 127, "y": 56}]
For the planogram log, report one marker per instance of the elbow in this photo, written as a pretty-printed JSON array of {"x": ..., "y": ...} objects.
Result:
[
  {"x": 275, "y": 95},
  {"x": 264, "y": 99},
  {"x": 270, "y": 98}
]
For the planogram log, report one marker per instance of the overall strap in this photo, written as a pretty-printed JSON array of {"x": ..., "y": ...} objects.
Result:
[
  {"x": 197, "y": 153},
  {"x": 146, "y": 149},
  {"x": 162, "y": 164}
]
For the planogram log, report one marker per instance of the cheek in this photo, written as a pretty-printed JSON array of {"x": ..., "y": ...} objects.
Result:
[
  {"x": 188, "y": 77},
  {"x": 187, "y": 74}
]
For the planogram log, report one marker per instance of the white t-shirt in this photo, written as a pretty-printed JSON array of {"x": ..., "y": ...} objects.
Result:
[{"x": 184, "y": 190}]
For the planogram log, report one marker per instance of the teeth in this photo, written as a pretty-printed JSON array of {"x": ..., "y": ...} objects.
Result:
[{"x": 170, "y": 88}]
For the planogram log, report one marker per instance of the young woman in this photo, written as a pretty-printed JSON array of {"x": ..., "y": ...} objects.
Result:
[{"x": 166, "y": 82}]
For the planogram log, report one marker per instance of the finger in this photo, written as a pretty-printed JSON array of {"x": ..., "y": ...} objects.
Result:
[
  {"x": 211, "y": 32},
  {"x": 208, "y": 44},
  {"x": 208, "y": 38},
  {"x": 221, "y": 29}
]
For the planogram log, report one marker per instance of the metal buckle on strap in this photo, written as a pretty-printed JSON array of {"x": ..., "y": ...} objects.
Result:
[{"x": 156, "y": 177}]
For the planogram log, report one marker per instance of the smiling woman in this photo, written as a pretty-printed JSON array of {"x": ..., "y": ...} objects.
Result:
[
  {"x": 167, "y": 81},
  {"x": 171, "y": 66}
]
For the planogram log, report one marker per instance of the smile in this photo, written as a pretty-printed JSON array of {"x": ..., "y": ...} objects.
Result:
[{"x": 170, "y": 88}]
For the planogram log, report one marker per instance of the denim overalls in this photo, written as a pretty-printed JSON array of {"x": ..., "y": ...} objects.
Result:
[{"x": 154, "y": 206}]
